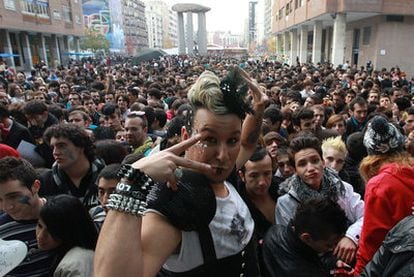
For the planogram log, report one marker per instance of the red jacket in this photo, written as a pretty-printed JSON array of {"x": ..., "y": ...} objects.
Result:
[{"x": 388, "y": 199}]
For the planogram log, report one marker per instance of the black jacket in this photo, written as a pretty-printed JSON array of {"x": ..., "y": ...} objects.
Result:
[
  {"x": 261, "y": 224},
  {"x": 286, "y": 255},
  {"x": 17, "y": 133},
  {"x": 351, "y": 168},
  {"x": 395, "y": 257},
  {"x": 55, "y": 181},
  {"x": 352, "y": 126}
]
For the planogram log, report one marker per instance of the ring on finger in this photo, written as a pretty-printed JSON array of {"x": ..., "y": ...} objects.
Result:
[{"x": 178, "y": 172}]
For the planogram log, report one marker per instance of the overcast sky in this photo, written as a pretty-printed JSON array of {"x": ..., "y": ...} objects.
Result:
[{"x": 225, "y": 15}]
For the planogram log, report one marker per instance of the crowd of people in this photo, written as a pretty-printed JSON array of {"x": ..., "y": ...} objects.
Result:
[{"x": 207, "y": 166}]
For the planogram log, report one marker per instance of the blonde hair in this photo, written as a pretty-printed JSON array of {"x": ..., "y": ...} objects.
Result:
[
  {"x": 206, "y": 93},
  {"x": 371, "y": 164},
  {"x": 334, "y": 143}
]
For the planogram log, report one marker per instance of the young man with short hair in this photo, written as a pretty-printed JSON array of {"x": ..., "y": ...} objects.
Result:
[
  {"x": 111, "y": 117},
  {"x": 409, "y": 121},
  {"x": 373, "y": 96},
  {"x": 64, "y": 90},
  {"x": 285, "y": 165},
  {"x": 76, "y": 167},
  {"x": 313, "y": 179},
  {"x": 74, "y": 100},
  {"x": 385, "y": 101},
  {"x": 20, "y": 201},
  {"x": 260, "y": 194},
  {"x": 272, "y": 119},
  {"x": 136, "y": 128},
  {"x": 90, "y": 106},
  {"x": 272, "y": 141},
  {"x": 319, "y": 119},
  {"x": 358, "y": 109},
  {"x": 38, "y": 119},
  {"x": 11, "y": 131},
  {"x": 107, "y": 180},
  {"x": 303, "y": 247},
  {"x": 80, "y": 118},
  {"x": 334, "y": 154},
  {"x": 303, "y": 120}
]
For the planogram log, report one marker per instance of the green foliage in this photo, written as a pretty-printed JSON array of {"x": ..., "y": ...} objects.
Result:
[{"x": 94, "y": 41}]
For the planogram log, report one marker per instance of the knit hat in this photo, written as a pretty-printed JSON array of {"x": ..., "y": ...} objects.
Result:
[{"x": 382, "y": 137}]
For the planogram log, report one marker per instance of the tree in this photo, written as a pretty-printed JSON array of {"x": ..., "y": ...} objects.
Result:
[
  {"x": 271, "y": 45},
  {"x": 167, "y": 43},
  {"x": 94, "y": 41}
]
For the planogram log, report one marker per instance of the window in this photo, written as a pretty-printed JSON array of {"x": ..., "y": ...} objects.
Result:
[
  {"x": 36, "y": 7},
  {"x": 395, "y": 18},
  {"x": 67, "y": 13},
  {"x": 289, "y": 7},
  {"x": 56, "y": 15},
  {"x": 366, "y": 36},
  {"x": 299, "y": 3},
  {"x": 9, "y": 5},
  {"x": 281, "y": 13}
]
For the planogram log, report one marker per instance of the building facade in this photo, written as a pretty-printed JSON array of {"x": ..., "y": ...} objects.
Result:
[
  {"x": 134, "y": 26},
  {"x": 267, "y": 19},
  {"x": 162, "y": 24},
  {"x": 252, "y": 24},
  {"x": 358, "y": 31},
  {"x": 155, "y": 26},
  {"x": 225, "y": 39},
  {"x": 171, "y": 37},
  {"x": 39, "y": 30}
]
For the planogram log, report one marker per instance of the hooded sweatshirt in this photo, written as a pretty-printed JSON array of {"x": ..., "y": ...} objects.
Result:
[{"x": 388, "y": 199}]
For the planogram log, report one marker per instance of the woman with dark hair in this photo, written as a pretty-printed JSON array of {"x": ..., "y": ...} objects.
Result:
[
  {"x": 66, "y": 228},
  {"x": 122, "y": 102}
]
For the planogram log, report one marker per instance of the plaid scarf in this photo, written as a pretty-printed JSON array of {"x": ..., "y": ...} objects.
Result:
[{"x": 331, "y": 187}]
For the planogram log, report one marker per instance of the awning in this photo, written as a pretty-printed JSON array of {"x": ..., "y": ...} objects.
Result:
[{"x": 7, "y": 55}]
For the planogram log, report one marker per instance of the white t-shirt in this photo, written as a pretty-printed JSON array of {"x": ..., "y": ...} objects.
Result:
[{"x": 231, "y": 229}]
